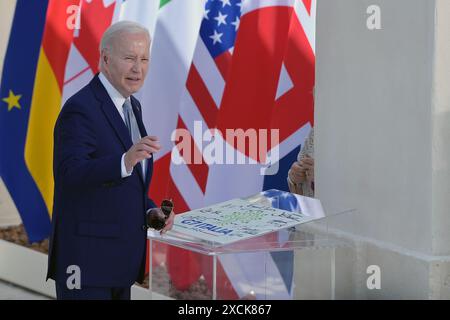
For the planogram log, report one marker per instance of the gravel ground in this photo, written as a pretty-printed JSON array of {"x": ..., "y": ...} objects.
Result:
[{"x": 18, "y": 235}]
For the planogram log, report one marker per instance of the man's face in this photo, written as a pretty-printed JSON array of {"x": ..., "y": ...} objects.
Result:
[{"x": 126, "y": 64}]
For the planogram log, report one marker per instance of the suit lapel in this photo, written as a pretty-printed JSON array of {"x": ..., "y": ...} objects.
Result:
[
  {"x": 111, "y": 113},
  {"x": 115, "y": 120}
]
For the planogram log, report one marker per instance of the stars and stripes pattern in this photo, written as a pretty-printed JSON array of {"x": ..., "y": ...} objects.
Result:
[{"x": 204, "y": 89}]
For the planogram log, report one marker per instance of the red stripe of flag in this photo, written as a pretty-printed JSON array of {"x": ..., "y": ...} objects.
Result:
[
  {"x": 160, "y": 179},
  {"x": 201, "y": 96},
  {"x": 199, "y": 171},
  {"x": 223, "y": 63}
]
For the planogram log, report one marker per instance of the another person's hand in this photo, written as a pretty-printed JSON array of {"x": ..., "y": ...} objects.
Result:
[
  {"x": 307, "y": 165},
  {"x": 297, "y": 173},
  {"x": 169, "y": 223},
  {"x": 141, "y": 150}
]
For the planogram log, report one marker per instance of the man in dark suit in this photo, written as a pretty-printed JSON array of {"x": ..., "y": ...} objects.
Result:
[{"x": 102, "y": 169}]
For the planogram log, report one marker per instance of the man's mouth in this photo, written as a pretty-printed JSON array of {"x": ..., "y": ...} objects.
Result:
[{"x": 133, "y": 79}]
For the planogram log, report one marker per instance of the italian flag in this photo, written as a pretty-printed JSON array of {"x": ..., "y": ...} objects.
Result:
[{"x": 174, "y": 26}]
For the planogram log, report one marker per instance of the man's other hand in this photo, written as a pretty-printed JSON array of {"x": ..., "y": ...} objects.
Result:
[{"x": 169, "y": 223}]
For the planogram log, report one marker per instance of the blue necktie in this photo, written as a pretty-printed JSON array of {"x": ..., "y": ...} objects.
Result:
[{"x": 133, "y": 129}]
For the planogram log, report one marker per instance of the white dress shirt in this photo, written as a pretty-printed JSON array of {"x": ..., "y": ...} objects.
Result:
[{"x": 118, "y": 101}]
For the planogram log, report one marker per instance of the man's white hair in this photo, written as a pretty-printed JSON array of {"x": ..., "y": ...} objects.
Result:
[{"x": 129, "y": 27}]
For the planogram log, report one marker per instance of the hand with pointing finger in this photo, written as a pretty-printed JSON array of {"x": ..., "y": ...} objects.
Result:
[{"x": 143, "y": 149}]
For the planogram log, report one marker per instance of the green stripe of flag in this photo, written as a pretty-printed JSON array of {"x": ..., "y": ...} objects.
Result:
[{"x": 163, "y": 3}]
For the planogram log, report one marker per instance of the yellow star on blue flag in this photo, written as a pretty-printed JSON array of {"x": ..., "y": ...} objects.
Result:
[{"x": 12, "y": 100}]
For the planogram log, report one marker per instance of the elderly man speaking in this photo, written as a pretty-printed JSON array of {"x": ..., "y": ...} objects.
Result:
[{"x": 102, "y": 169}]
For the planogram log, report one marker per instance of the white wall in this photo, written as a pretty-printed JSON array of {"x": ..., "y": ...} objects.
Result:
[
  {"x": 374, "y": 118},
  {"x": 6, "y": 13},
  {"x": 441, "y": 132}
]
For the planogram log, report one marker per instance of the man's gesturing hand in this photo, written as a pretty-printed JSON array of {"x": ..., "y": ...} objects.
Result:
[{"x": 141, "y": 150}]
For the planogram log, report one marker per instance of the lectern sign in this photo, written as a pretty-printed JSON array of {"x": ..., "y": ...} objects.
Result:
[{"x": 235, "y": 220}]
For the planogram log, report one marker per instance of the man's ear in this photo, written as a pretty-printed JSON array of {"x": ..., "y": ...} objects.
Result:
[{"x": 104, "y": 56}]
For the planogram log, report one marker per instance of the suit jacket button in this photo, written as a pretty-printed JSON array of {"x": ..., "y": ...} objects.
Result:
[{"x": 144, "y": 227}]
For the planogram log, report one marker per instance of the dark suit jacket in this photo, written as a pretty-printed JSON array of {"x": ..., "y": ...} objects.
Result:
[{"x": 98, "y": 218}]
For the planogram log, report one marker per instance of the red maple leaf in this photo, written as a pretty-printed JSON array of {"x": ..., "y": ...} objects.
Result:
[{"x": 94, "y": 20}]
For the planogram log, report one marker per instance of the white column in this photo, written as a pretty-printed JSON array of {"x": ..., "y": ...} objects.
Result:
[{"x": 382, "y": 137}]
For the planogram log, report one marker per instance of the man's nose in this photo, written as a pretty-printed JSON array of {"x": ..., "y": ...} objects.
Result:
[{"x": 137, "y": 65}]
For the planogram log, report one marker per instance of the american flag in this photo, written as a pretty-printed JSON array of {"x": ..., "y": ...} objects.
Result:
[{"x": 204, "y": 90}]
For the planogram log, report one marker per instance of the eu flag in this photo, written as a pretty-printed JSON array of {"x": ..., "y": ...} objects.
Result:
[{"x": 16, "y": 92}]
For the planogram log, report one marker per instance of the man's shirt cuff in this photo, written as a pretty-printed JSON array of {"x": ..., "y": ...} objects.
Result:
[{"x": 124, "y": 171}]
